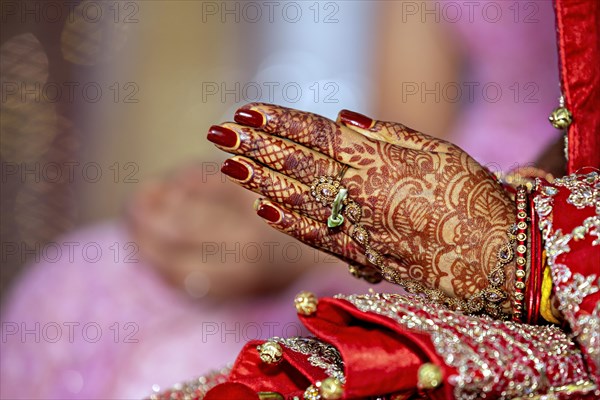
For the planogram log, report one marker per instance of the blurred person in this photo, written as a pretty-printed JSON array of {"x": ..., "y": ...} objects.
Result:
[
  {"x": 110, "y": 309},
  {"x": 486, "y": 71}
]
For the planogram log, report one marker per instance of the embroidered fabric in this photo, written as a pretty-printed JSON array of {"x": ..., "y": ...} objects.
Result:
[
  {"x": 573, "y": 288},
  {"x": 501, "y": 359}
]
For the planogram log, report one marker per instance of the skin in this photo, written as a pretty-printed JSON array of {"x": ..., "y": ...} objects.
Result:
[{"x": 433, "y": 212}]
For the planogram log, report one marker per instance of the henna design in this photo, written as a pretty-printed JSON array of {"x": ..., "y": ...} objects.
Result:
[
  {"x": 286, "y": 191},
  {"x": 427, "y": 205},
  {"x": 281, "y": 155},
  {"x": 315, "y": 234},
  {"x": 443, "y": 217},
  {"x": 312, "y": 131}
]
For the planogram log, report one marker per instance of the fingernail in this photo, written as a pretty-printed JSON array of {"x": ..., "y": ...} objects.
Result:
[
  {"x": 235, "y": 169},
  {"x": 222, "y": 136},
  {"x": 249, "y": 117},
  {"x": 269, "y": 213},
  {"x": 355, "y": 119}
]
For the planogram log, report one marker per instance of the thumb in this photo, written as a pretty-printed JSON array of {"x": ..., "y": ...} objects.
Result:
[
  {"x": 363, "y": 125},
  {"x": 391, "y": 132}
]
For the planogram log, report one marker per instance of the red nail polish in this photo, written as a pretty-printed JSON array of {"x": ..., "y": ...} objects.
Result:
[
  {"x": 249, "y": 117},
  {"x": 269, "y": 213},
  {"x": 356, "y": 119},
  {"x": 222, "y": 136},
  {"x": 235, "y": 169}
]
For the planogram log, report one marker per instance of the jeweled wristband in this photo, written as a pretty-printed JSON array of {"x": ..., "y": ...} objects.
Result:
[{"x": 521, "y": 252}]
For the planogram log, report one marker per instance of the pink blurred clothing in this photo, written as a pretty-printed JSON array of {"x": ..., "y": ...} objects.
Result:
[
  {"x": 97, "y": 327},
  {"x": 510, "y": 83}
]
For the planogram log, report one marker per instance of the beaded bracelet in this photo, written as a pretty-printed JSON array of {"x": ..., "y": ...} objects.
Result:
[{"x": 521, "y": 252}]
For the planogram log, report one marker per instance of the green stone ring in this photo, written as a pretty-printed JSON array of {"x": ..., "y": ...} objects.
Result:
[{"x": 336, "y": 218}]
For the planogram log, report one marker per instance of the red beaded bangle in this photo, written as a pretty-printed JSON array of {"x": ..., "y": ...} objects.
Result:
[
  {"x": 521, "y": 252},
  {"x": 536, "y": 269}
]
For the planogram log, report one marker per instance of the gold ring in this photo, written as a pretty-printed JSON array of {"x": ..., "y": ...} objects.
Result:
[
  {"x": 342, "y": 172},
  {"x": 329, "y": 191}
]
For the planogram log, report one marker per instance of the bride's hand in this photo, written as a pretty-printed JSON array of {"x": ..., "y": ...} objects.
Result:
[{"x": 431, "y": 211}]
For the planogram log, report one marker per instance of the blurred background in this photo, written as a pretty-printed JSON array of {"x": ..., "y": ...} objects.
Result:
[{"x": 107, "y": 175}]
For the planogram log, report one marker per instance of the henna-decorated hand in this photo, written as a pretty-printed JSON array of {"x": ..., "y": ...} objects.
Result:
[{"x": 433, "y": 213}]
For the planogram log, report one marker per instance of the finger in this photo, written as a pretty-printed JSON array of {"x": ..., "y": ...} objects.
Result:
[
  {"x": 295, "y": 196},
  {"x": 392, "y": 132},
  {"x": 275, "y": 186},
  {"x": 311, "y": 130},
  {"x": 281, "y": 155},
  {"x": 311, "y": 232},
  {"x": 290, "y": 193},
  {"x": 340, "y": 243}
]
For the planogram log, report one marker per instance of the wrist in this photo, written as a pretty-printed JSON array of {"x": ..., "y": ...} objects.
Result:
[{"x": 502, "y": 264}]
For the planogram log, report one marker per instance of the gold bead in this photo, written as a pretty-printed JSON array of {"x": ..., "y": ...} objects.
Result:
[
  {"x": 306, "y": 303},
  {"x": 430, "y": 376},
  {"x": 520, "y": 285},
  {"x": 270, "y": 352},
  {"x": 561, "y": 118},
  {"x": 520, "y": 273},
  {"x": 331, "y": 389},
  {"x": 522, "y": 225},
  {"x": 521, "y": 261},
  {"x": 519, "y": 296}
]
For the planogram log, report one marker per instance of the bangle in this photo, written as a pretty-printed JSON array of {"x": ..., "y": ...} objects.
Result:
[
  {"x": 534, "y": 292},
  {"x": 536, "y": 269},
  {"x": 521, "y": 252}
]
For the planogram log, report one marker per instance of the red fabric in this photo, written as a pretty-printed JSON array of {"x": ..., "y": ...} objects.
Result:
[
  {"x": 292, "y": 375},
  {"x": 583, "y": 258},
  {"x": 580, "y": 258},
  {"x": 379, "y": 355},
  {"x": 231, "y": 391},
  {"x": 578, "y": 27}
]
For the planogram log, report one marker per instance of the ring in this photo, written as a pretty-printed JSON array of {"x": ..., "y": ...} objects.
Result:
[
  {"x": 325, "y": 189},
  {"x": 342, "y": 172},
  {"x": 336, "y": 219},
  {"x": 329, "y": 190}
]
